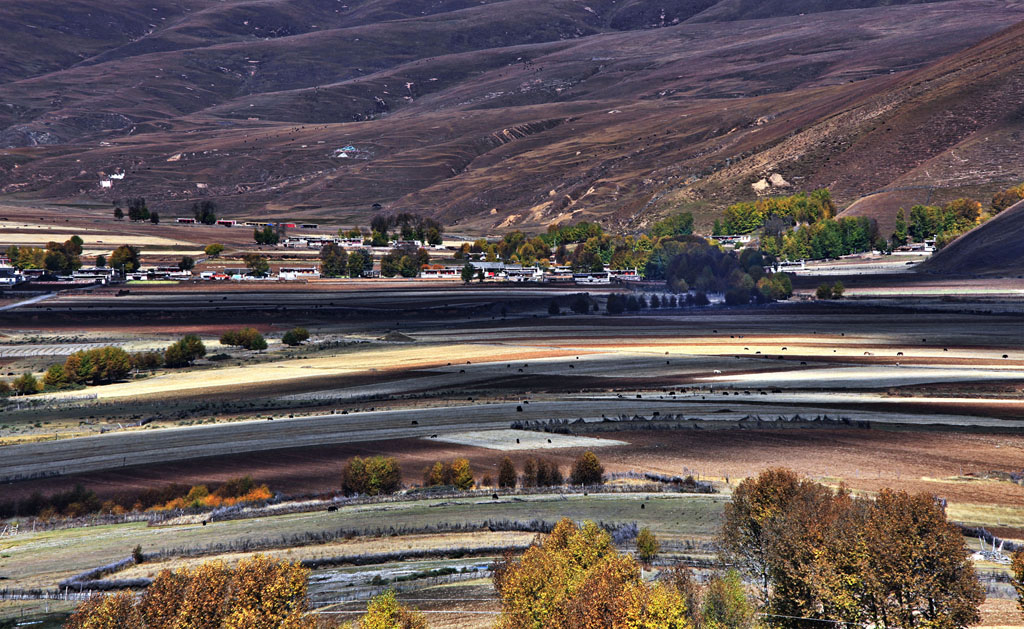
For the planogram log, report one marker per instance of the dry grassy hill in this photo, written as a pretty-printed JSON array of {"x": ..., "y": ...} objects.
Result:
[{"x": 501, "y": 114}]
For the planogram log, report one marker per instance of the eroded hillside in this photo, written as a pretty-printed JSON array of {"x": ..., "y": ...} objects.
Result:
[{"x": 510, "y": 113}]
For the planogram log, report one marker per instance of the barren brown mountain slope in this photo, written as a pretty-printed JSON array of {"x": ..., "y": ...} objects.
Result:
[{"x": 502, "y": 114}]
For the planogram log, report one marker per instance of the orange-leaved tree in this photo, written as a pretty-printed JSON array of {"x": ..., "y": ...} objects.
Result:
[{"x": 259, "y": 593}]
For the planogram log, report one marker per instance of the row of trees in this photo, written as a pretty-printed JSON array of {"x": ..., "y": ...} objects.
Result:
[
  {"x": 619, "y": 303},
  {"x": 205, "y": 211},
  {"x": 1005, "y": 198},
  {"x": 372, "y": 476},
  {"x": 241, "y": 490},
  {"x": 267, "y": 235},
  {"x": 336, "y": 262},
  {"x": 694, "y": 263},
  {"x": 599, "y": 589},
  {"x": 80, "y": 501},
  {"x": 828, "y": 238},
  {"x": 406, "y": 226},
  {"x": 457, "y": 474},
  {"x": 138, "y": 210},
  {"x": 405, "y": 262},
  {"x": 536, "y": 473},
  {"x": 103, "y": 365},
  {"x": 61, "y": 258},
  {"x": 745, "y": 217},
  {"x": 943, "y": 222},
  {"x": 595, "y": 249}
]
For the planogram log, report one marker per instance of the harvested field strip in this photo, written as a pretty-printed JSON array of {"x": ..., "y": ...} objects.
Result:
[
  {"x": 42, "y": 559},
  {"x": 353, "y": 547}
]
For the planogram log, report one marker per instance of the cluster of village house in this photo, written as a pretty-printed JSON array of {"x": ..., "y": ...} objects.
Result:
[{"x": 490, "y": 271}]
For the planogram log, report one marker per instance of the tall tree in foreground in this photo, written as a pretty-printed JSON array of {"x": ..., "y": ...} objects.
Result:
[
  {"x": 259, "y": 593},
  {"x": 1017, "y": 576},
  {"x": 818, "y": 553}
]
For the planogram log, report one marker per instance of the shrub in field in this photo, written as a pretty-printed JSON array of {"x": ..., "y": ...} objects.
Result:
[
  {"x": 295, "y": 336},
  {"x": 234, "y": 491},
  {"x": 458, "y": 474},
  {"x": 833, "y": 291},
  {"x": 25, "y": 384},
  {"x": 385, "y": 612},
  {"x": 185, "y": 351},
  {"x": 587, "y": 470},
  {"x": 647, "y": 545},
  {"x": 249, "y": 338},
  {"x": 506, "y": 474},
  {"x": 541, "y": 473},
  {"x": 462, "y": 474},
  {"x": 371, "y": 476},
  {"x": 93, "y": 366},
  {"x": 147, "y": 361},
  {"x": 726, "y": 604}
]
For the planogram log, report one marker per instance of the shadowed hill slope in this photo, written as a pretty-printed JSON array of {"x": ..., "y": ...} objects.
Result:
[
  {"x": 995, "y": 248},
  {"x": 501, "y": 114}
]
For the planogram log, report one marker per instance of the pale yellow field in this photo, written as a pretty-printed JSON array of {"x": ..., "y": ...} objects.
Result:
[
  {"x": 794, "y": 346},
  {"x": 91, "y": 239},
  {"x": 370, "y": 360},
  {"x": 1000, "y": 515}
]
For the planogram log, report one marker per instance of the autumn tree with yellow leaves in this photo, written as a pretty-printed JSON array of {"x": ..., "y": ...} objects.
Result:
[
  {"x": 259, "y": 593},
  {"x": 575, "y": 579},
  {"x": 385, "y": 612}
]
